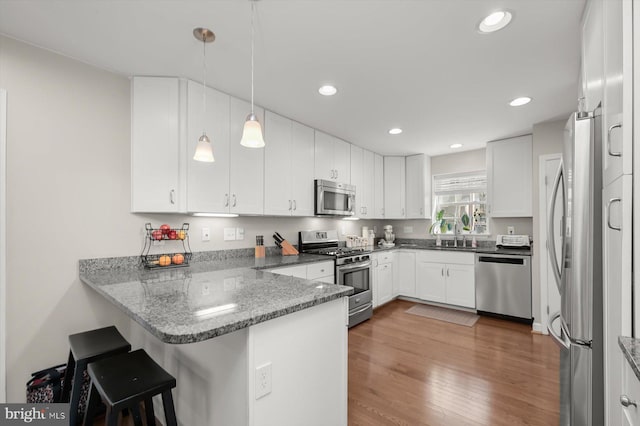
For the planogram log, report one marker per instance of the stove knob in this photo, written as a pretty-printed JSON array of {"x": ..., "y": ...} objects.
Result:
[{"x": 348, "y": 260}]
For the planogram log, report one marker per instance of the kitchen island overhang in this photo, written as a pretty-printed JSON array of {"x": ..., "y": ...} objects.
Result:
[{"x": 215, "y": 325}]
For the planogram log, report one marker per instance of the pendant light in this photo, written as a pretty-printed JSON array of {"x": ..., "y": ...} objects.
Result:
[
  {"x": 252, "y": 132},
  {"x": 204, "y": 150}
]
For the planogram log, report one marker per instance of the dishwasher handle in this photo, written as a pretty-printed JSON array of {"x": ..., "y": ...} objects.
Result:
[{"x": 507, "y": 259}]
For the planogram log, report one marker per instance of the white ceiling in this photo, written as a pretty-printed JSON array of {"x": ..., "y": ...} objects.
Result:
[{"x": 420, "y": 65}]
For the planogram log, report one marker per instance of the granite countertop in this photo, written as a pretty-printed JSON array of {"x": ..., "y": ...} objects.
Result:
[
  {"x": 209, "y": 298},
  {"x": 488, "y": 248},
  {"x": 631, "y": 350}
]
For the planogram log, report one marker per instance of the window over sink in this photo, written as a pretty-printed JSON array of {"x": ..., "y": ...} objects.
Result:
[{"x": 460, "y": 199}]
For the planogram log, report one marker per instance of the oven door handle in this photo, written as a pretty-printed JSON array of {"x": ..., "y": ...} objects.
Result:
[
  {"x": 356, "y": 266},
  {"x": 364, "y": 308}
]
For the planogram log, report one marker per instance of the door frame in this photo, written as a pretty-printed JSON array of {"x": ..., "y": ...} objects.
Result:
[
  {"x": 542, "y": 237},
  {"x": 3, "y": 244}
]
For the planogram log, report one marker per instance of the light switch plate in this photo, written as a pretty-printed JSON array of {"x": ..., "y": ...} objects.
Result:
[
  {"x": 229, "y": 234},
  {"x": 239, "y": 233}
]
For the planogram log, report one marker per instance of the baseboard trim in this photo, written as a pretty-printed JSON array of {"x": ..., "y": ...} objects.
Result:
[{"x": 539, "y": 328}]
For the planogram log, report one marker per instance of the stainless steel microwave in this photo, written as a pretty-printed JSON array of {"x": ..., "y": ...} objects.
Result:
[{"x": 334, "y": 199}]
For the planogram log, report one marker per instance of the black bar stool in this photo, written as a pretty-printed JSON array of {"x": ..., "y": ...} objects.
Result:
[
  {"x": 87, "y": 347},
  {"x": 124, "y": 381}
]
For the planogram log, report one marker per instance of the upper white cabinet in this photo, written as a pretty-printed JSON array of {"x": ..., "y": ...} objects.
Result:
[
  {"x": 509, "y": 177},
  {"x": 378, "y": 187},
  {"x": 418, "y": 187},
  {"x": 357, "y": 178},
  {"x": 157, "y": 184},
  {"x": 208, "y": 183},
  {"x": 332, "y": 158},
  {"x": 288, "y": 179},
  {"x": 394, "y": 187},
  {"x": 367, "y": 194},
  {"x": 618, "y": 82},
  {"x": 246, "y": 190},
  {"x": 592, "y": 49}
]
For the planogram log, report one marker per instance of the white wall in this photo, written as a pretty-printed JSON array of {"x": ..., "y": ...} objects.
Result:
[{"x": 68, "y": 198}]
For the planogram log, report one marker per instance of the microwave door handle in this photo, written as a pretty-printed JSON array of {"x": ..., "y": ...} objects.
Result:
[
  {"x": 557, "y": 273},
  {"x": 350, "y": 202}
]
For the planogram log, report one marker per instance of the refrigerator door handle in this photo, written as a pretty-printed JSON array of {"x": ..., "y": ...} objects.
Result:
[
  {"x": 559, "y": 340},
  {"x": 557, "y": 273}
]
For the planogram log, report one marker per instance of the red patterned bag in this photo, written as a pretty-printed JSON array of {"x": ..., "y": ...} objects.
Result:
[{"x": 46, "y": 385}]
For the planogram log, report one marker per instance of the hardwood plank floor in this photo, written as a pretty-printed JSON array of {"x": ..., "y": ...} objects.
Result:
[{"x": 406, "y": 369}]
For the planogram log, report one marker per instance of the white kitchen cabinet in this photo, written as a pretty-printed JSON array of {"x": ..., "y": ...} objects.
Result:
[
  {"x": 288, "y": 179},
  {"x": 617, "y": 256},
  {"x": 378, "y": 187},
  {"x": 406, "y": 276},
  {"x": 394, "y": 187},
  {"x": 368, "y": 182},
  {"x": 246, "y": 173},
  {"x": 617, "y": 106},
  {"x": 509, "y": 177},
  {"x": 357, "y": 178},
  {"x": 630, "y": 389},
  {"x": 208, "y": 183},
  {"x": 446, "y": 277},
  {"x": 418, "y": 187},
  {"x": 592, "y": 54},
  {"x": 383, "y": 278},
  {"x": 157, "y": 148},
  {"x": 332, "y": 158},
  {"x": 318, "y": 271}
]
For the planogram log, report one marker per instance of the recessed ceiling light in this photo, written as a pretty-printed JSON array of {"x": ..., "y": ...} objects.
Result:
[
  {"x": 496, "y": 21},
  {"x": 327, "y": 90},
  {"x": 520, "y": 101},
  {"x": 395, "y": 131},
  {"x": 455, "y": 146}
]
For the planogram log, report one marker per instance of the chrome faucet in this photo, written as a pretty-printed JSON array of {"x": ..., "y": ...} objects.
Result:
[{"x": 455, "y": 233}]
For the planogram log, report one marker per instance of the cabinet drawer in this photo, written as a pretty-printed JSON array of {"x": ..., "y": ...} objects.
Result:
[
  {"x": 295, "y": 271},
  {"x": 319, "y": 270},
  {"x": 385, "y": 258},
  {"x": 451, "y": 257},
  {"x": 630, "y": 388}
]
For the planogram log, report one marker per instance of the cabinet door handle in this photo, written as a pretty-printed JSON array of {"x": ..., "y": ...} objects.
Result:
[
  {"x": 336, "y": 173},
  {"x": 609, "y": 130},
  {"x": 625, "y": 401},
  {"x": 295, "y": 205},
  {"x": 442, "y": 272},
  {"x": 234, "y": 200},
  {"x": 290, "y": 208},
  {"x": 421, "y": 211},
  {"x": 403, "y": 211},
  {"x": 365, "y": 211},
  {"x": 226, "y": 200},
  {"x": 171, "y": 196},
  {"x": 611, "y": 201},
  {"x": 447, "y": 271}
]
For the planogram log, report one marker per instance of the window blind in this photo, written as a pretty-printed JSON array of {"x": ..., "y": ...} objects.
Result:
[{"x": 460, "y": 183}]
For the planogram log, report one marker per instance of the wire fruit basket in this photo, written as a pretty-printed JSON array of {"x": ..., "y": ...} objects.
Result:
[{"x": 155, "y": 237}]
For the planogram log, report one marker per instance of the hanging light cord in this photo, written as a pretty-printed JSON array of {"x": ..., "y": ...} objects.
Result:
[
  {"x": 204, "y": 82},
  {"x": 252, "y": 4}
]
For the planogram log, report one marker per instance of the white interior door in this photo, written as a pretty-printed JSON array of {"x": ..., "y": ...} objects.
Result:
[
  {"x": 549, "y": 294},
  {"x": 3, "y": 242}
]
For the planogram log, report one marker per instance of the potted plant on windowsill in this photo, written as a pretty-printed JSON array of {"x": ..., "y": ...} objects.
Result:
[{"x": 439, "y": 226}]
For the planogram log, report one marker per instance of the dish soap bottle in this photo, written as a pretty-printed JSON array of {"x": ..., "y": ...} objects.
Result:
[{"x": 474, "y": 243}]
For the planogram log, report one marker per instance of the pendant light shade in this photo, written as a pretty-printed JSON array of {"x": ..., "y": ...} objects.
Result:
[
  {"x": 252, "y": 133},
  {"x": 204, "y": 151}
]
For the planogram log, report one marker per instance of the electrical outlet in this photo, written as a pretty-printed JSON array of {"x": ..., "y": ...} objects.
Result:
[
  {"x": 206, "y": 234},
  {"x": 239, "y": 233},
  {"x": 205, "y": 289},
  {"x": 263, "y": 380},
  {"x": 229, "y": 234},
  {"x": 511, "y": 230}
]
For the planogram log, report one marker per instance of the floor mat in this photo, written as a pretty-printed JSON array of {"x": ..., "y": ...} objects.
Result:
[{"x": 467, "y": 319}]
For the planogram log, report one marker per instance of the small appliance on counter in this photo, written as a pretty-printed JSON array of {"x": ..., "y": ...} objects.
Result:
[
  {"x": 513, "y": 241},
  {"x": 389, "y": 237}
]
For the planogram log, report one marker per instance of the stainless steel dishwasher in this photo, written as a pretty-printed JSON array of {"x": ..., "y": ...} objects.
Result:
[{"x": 503, "y": 285}]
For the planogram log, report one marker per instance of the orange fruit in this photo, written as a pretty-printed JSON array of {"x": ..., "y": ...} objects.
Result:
[
  {"x": 181, "y": 235},
  {"x": 164, "y": 260},
  {"x": 177, "y": 259}
]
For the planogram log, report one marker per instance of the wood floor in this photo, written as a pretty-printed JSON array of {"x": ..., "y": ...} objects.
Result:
[{"x": 410, "y": 370}]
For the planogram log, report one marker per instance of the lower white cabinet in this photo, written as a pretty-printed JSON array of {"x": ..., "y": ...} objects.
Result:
[
  {"x": 406, "y": 276},
  {"x": 382, "y": 286},
  {"x": 630, "y": 391},
  {"x": 319, "y": 271},
  {"x": 446, "y": 277}
]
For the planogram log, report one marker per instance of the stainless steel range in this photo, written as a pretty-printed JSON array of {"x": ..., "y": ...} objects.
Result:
[{"x": 353, "y": 269}]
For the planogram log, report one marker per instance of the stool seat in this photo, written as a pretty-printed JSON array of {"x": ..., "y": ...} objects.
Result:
[
  {"x": 97, "y": 343},
  {"x": 84, "y": 348},
  {"x": 126, "y": 380}
]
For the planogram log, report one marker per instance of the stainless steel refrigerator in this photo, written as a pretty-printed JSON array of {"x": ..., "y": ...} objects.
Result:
[{"x": 578, "y": 274}]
